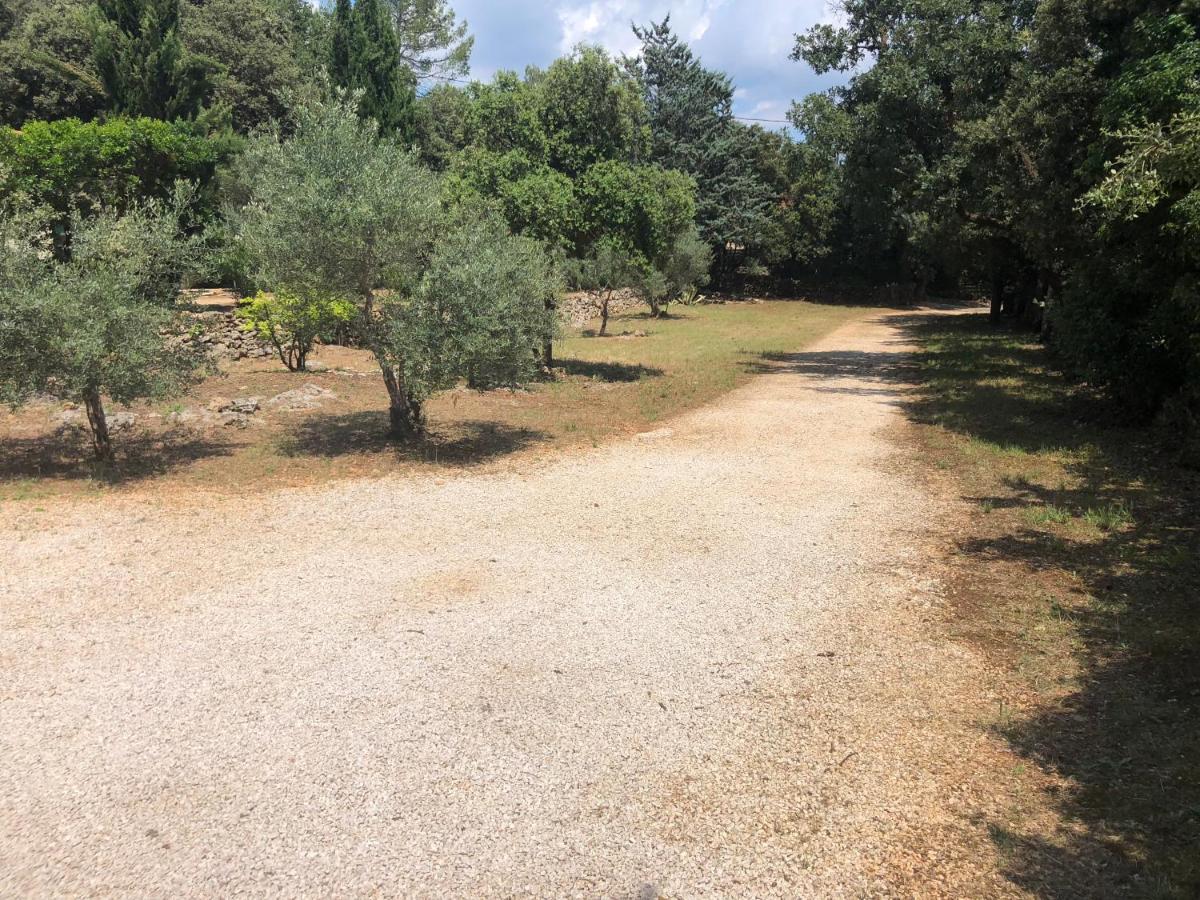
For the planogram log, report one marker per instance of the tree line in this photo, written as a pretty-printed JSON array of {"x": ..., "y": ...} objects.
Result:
[{"x": 1042, "y": 153}]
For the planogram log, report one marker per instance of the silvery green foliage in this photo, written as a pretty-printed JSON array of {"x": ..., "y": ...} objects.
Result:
[
  {"x": 334, "y": 210},
  {"x": 95, "y": 322},
  {"x": 443, "y": 294},
  {"x": 481, "y": 311}
]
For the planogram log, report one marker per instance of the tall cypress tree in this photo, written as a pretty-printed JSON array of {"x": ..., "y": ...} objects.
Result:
[
  {"x": 142, "y": 63},
  {"x": 345, "y": 44},
  {"x": 366, "y": 56}
]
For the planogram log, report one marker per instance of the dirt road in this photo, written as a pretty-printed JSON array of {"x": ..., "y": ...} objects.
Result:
[{"x": 692, "y": 663}]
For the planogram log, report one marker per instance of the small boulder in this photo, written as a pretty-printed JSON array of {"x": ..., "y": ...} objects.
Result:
[
  {"x": 310, "y": 396},
  {"x": 121, "y": 421},
  {"x": 243, "y": 405},
  {"x": 72, "y": 418}
]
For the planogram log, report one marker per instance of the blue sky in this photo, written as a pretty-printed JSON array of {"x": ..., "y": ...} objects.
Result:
[{"x": 749, "y": 39}]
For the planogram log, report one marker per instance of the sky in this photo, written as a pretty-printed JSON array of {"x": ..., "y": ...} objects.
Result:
[{"x": 748, "y": 39}]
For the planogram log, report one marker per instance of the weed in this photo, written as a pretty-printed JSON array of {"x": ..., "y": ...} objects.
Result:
[{"x": 1109, "y": 517}]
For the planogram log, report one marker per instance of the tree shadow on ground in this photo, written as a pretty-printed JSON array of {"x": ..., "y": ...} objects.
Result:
[
  {"x": 607, "y": 371},
  {"x": 66, "y": 455},
  {"x": 454, "y": 444},
  {"x": 1126, "y": 737}
]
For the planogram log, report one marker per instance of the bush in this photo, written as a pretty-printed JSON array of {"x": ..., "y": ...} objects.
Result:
[
  {"x": 292, "y": 324},
  {"x": 70, "y": 167},
  {"x": 684, "y": 267}
]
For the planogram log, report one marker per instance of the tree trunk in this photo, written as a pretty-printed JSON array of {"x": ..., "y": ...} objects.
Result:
[
  {"x": 548, "y": 348},
  {"x": 101, "y": 443},
  {"x": 404, "y": 411},
  {"x": 604, "y": 313},
  {"x": 997, "y": 298}
]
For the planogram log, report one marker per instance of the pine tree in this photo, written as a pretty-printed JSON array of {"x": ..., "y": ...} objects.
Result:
[
  {"x": 142, "y": 63},
  {"x": 693, "y": 130}
]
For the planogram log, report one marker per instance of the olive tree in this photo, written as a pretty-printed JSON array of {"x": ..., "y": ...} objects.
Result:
[
  {"x": 441, "y": 293},
  {"x": 98, "y": 323}
]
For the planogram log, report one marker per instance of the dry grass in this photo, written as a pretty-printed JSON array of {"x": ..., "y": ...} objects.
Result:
[
  {"x": 609, "y": 386},
  {"x": 1079, "y": 575}
]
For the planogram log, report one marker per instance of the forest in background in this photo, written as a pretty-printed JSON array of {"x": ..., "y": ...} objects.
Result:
[{"x": 1044, "y": 154}]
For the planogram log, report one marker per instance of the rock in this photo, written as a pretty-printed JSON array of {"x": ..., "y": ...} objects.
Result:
[
  {"x": 234, "y": 420},
  {"x": 655, "y": 435},
  {"x": 121, "y": 421},
  {"x": 243, "y": 405},
  {"x": 183, "y": 416},
  {"x": 310, "y": 396},
  {"x": 72, "y": 418}
]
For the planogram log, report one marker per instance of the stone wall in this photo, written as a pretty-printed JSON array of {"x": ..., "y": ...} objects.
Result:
[
  {"x": 210, "y": 315},
  {"x": 579, "y": 308}
]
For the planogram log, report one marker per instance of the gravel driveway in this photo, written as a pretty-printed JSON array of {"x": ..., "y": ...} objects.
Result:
[{"x": 691, "y": 663}]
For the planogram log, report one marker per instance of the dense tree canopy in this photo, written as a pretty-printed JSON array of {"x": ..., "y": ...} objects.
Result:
[{"x": 1046, "y": 150}]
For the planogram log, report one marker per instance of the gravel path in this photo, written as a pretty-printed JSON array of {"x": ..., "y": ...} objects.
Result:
[{"x": 688, "y": 664}]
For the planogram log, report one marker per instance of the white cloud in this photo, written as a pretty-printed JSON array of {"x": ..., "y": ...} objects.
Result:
[{"x": 749, "y": 39}]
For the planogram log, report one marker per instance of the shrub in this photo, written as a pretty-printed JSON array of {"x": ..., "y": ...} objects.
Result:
[
  {"x": 292, "y": 323},
  {"x": 69, "y": 167}
]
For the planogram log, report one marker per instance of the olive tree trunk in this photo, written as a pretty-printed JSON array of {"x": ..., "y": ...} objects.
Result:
[
  {"x": 405, "y": 414},
  {"x": 604, "y": 313},
  {"x": 98, "y": 422}
]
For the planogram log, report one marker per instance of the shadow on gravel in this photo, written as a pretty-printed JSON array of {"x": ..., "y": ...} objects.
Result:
[
  {"x": 461, "y": 444},
  {"x": 1096, "y": 541},
  {"x": 67, "y": 456}
]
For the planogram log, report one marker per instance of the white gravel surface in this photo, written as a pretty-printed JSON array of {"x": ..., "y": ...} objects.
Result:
[{"x": 691, "y": 665}]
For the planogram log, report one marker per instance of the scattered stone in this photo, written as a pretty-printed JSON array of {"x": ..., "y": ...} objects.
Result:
[
  {"x": 234, "y": 420},
  {"x": 72, "y": 418},
  {"x": 655, "y": 435},
  {"x": 121, "y": 421},
  {"x": 182, "y": 416},
  {"x": 244, "y": 405},
  {"x": 309, "y": 396}
]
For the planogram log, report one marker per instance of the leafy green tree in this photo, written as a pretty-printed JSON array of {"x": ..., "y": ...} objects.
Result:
[
  {"x": 640, "y": 211},
  {"x": 938, "y": 64},
  {"x": 443, "y": 124},
  {"x": 69, "y": 168},
  {"x": 591, "y": 112},
  {"x": 506, "y": 115},
  {"x": 93, "y": 326},
  {"x": 533, "y": 198},
  {"x": 267, "y": 51},
  {"x": 440, "y": 295},
  {"x": 142, "y": 63},
  {"x": 46, "y": 66},
  {"x": 644, "y": 207}
]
